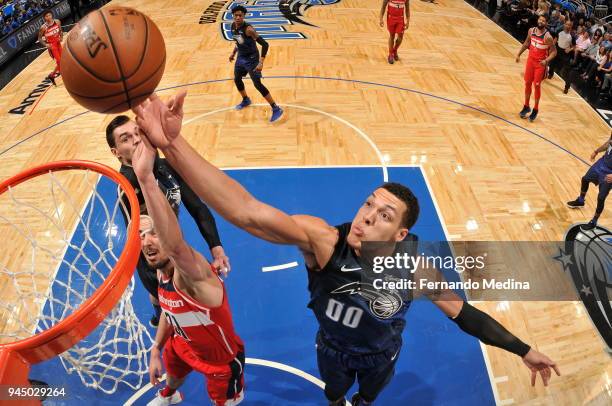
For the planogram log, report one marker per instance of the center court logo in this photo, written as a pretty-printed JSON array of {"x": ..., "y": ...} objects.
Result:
[
  {"x": 271, "y": 17},
  {"x": 587, "y": 256}
]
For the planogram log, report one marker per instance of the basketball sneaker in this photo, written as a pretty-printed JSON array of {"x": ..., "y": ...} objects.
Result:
[
  {"x": 390, "y": 59},
  {"x": 533, "y": 115},
  {"x": 52, "y": 79},
  {"x": 277, "y": 112},
  {"x": 395, "y": 56},
  {"x": 246, "y": 102},
  {"x": 574, "y": 204},
  {"x": 159, "y": 400},
  {"x": 526, "y": 110}
]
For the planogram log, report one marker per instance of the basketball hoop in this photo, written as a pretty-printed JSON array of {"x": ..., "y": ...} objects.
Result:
[{"x": 83, "y": 311}]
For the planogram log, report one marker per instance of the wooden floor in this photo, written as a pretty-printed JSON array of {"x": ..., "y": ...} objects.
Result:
[{"x": 492, "y": 180}]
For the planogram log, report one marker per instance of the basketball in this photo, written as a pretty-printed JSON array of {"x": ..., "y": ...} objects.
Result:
[{"x": 113, "y": 59}]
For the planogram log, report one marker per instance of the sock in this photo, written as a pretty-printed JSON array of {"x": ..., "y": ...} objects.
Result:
[
  {"x": 157, "y": 309},
  {"x": 167, "y": 391},
  {"x": 274, "y": 106}
]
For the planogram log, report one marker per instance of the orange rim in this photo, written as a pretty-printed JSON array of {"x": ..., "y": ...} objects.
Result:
[{"x": 59, "y": 338}]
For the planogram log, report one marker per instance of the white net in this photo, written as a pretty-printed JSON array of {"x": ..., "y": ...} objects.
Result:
[{"x": 64, "y": 232}]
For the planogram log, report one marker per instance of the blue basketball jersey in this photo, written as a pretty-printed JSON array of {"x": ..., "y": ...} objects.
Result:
[
  {"x": 247, "y": 47},
  {"x": 604, "y": 163},
  {"x": 353, "y": 316}
]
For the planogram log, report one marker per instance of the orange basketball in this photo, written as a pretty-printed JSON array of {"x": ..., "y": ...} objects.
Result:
[{"x": 113, "y": 59}]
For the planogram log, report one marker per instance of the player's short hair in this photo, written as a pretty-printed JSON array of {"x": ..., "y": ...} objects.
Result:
[
  {"x": 110, "y": 128},
  {"x": 405, "y": 195},
  {"x": 48, "y": 12},
  {"x": 545, "y": 16},
  {"x": 239, "y": 8}
]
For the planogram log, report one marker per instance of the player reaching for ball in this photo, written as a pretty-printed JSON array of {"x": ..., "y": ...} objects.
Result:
[
  {"x": 354, "y": 340},
  {"x": 249, "y": 61},
  {"x": 50, "y": 34},
  {"x": 197, "y": 331}
]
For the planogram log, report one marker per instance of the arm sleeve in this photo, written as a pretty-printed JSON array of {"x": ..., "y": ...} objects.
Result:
[
  {"x": 264, "y": 46},
  {"x": 200, "y": 212},
  {"x": 488, "y": 330}
]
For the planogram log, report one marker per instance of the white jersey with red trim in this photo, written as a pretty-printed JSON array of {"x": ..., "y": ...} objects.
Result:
[{"x": 208, "y": 331}]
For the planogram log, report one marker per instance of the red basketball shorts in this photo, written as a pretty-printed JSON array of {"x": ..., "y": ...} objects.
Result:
[
  {"x": 225, "y": 382},
  {"x": 396, "y": 25},
  {"x": 534, "y": 71}
]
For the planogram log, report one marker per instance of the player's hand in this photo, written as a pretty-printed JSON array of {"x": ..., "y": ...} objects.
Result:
[
  {"x": 518, "y": 59},
  {"x": 232, "y": 56},
  {"x": 609, "y": 178},
  {"x": 155, "y": 368},
  {"x": 143, "y": 158},
  {"x": 161, "y": 121},
  {"x": 538, "y": 362},
  {"x": 593, "y": 155},
  {"x": 543, "y": 62},
  {"x": 173, "y": 116},
  {"x": 220, "y": 260},
  {"x": 259, "y": 67},
  {"x": 382, "y": 24}
]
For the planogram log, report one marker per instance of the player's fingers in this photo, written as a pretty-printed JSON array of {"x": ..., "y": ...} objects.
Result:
[
  {"x": 556, "y": 369},
  {"x": 545, "y": 376},
  {"x": 178, "y": 101},
  {"x": 533, "y": 377}
]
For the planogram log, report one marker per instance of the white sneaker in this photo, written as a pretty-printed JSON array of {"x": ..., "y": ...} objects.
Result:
[{"x": 159, "y": 400}]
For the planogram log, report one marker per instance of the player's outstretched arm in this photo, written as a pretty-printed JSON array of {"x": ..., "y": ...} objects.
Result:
[
  {"x": 192, "y": 265},
  {"x": 161, "y": 124},
  {"x": 491, "y": 332}
]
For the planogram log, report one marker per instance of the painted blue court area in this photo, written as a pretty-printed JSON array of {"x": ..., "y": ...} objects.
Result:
[{"x": 438, "y": 365}]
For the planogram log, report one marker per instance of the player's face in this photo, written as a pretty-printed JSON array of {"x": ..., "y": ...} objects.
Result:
[
  {"x": 127, "y": 137},
  {"x": 48, "y": 18},
  {"x": 541, "y": 22},
  {"x": 378, "y": 219},
  {"x": 151, "y": 248},
  {"x": 238, "y": 17}
]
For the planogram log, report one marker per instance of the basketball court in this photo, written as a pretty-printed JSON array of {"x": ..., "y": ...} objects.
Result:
[{"x": 443, "y": 121}]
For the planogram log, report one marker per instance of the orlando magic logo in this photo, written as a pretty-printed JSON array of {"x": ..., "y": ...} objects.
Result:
[
  {"x": 587, "y": 255},
  {"x": 270, "y": 18},
  {"x": 383, "y": 304}
]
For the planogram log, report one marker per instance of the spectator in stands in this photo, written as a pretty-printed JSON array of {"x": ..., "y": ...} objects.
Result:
[
  {"x": 591, "y": 67},
  {"x": 596, "y": 25},
  {"x": 607, "y": 40},
  {"x": 555, "y": 24},
  {"x": 583, "y": 41}
]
